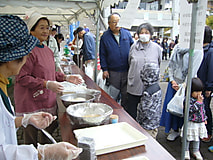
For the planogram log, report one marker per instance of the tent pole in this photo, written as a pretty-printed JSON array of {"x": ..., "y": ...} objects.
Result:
[
  {"x": 189, "y": 76},
  {"x": 97, "y": 40},
  {"x": 78, "y": 55}
]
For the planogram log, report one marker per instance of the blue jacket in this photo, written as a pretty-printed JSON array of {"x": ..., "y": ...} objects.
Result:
[
  {"x": 114, "y": 56},
  {"x": 88, "y": 47},
  {"x": 206, "y": 68}
]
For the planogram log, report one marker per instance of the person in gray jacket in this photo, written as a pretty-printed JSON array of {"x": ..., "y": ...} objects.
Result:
[
  {"x": 178, "y": 70},
  {"x": 142, "y": 52}
]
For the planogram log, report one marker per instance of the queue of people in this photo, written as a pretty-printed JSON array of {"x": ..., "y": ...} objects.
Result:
[
  {"x": 130, "y": 66},
  {"x": 144, "y": 53},
  {"x": 167, "y": 45},
  {"x": 122, "y": 60}
]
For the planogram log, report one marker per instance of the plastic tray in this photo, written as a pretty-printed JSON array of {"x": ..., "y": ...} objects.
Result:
[{"x": 113, "y": 137}]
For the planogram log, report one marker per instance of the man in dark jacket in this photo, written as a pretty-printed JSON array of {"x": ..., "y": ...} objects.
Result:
[
  {"x": 115, "y": 44},
  {"x": 88, "y": 50},
  {"x": 206, "y": 76}
]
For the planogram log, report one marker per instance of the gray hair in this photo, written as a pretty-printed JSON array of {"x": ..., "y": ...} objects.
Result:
[
  {"x": 115, "y": 13},
  {"x": 147, "y": 26}
]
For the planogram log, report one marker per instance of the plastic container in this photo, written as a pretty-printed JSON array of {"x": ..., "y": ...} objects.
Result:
[
  {"x": 113, "y": 118},
  {"x": 88, "y": 146}
]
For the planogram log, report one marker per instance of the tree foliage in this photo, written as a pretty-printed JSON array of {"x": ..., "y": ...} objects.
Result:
[{"x": 209, "y": 21}]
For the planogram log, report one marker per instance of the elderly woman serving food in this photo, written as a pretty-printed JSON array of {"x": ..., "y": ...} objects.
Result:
[{"x": 38, "y": 81}]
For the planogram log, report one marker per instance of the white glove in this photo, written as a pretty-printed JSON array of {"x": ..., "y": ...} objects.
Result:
[
  {"x": 58, "y": 151},
  {"x": 76, "y": 79},
  {"x": 54, "y": 86},
  {"x": 39, "y": 120}
]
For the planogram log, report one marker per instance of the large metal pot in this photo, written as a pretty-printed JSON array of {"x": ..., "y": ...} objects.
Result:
[
  {"x": 96, "y": 93},
  {"x": 73, "y": 98},
  {"x": 88, "y": 114}
]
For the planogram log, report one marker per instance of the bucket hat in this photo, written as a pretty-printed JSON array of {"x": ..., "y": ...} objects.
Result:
[
  {"x": 15, "y": 41},
  {"x": 32, "y": 19}
]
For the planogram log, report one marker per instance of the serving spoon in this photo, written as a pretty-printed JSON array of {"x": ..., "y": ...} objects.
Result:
[{"x": 49, "y": 136}]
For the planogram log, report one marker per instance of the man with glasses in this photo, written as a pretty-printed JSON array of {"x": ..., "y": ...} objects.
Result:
[{"x": 115, "y": 44}]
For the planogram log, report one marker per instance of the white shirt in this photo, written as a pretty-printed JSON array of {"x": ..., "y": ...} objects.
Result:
[
  {"x": 8, "y": 140},
  {"x": 54, "y": 47},
  {"x": 77, "y": 48}
]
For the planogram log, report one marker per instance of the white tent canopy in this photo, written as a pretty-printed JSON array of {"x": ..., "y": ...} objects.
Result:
[
  {"x": 58, "y": 11},
  {"x": 62, "y": 12}
]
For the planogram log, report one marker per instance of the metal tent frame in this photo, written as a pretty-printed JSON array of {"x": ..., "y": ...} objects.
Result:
[{"x": 59, "y": 11}]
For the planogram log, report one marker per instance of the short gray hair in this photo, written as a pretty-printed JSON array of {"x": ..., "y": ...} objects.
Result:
[
  {"x": 115, "y": 13},
  {"x": 147, "y": 26}
]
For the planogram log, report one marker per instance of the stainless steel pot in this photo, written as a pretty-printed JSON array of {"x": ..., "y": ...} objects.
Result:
[
  {"x": 89, "y": 114},
  {"x": 73, "y": 98}
]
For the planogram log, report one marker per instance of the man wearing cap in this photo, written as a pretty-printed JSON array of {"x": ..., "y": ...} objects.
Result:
[
  {"x": 88, "y": 49},
  {"x": 115, "y": 44},
  {"x": 15, "y": 45}
]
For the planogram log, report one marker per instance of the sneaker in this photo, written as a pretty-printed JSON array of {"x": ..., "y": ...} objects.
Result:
[
  {"x": 208, "y": 139},
  {"x": 172, "y": 136},
  {"x": 187, "y": 155},
  {"x": 197, "y": 155}
]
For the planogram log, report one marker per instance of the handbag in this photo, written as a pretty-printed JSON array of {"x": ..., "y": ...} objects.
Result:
[{"x": 175, "y": 106}]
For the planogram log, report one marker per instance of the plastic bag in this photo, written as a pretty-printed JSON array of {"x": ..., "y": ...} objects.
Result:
[
  {"x": 175, "y": 106},
  {"x": 100, "y": 81},
  {"x": 108, "y": 88},
  {"x": 89, "y": 71},
  {"x": 111, "y": 90}
]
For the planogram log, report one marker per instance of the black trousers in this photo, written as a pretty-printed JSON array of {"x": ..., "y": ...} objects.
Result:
[
  {"x": 132, "y": 104},
  {"x": 164, "y": 56},
  {"x": 207, "y": 101}
]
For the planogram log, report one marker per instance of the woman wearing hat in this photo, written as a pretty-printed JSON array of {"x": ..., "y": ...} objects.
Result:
[
  {"x": 38, "y": 82},
  {"x": 15, "y": 45}
]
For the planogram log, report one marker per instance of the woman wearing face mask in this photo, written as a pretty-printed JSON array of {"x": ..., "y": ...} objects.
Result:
[{"x": 142, "y": 52}]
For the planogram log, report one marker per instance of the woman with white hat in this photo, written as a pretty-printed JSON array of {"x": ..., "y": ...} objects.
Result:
[
  {"x": 15, "y": 45},
  {"x": 37, "y": 83}
]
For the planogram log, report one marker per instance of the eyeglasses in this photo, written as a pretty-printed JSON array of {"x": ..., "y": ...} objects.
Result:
[{"x": 114, "y": 22}]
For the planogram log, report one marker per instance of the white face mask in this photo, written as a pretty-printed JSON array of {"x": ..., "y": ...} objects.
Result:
[{"x": 144, "y": 37}]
